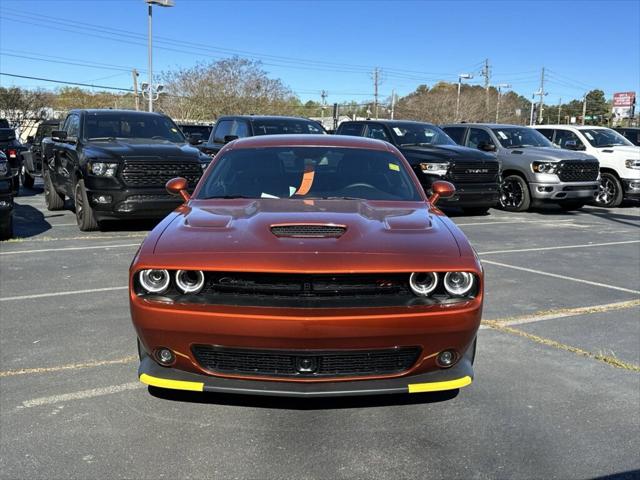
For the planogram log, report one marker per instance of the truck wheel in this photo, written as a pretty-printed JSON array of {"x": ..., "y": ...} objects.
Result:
[
  {"x": 610, "y": 193},
  {"x": 84, "y": 213},
  {"x": 475, "y": 210},
  {"x": 26, "y": 179},
  {"x": 6, "y": 228},
  {"x": 515, "y": 196},
  {"x": 15, "y": 185},
  {"x": 571, "y": 205},
  {"x": 53, "y": 199}
]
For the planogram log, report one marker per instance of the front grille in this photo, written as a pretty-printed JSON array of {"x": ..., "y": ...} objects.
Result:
[
  {"x": 308, "y": 231},
  {"x": 150, "y": 197},
  {"x": 578, "y": 171},
  {"x": 151, "y": 173},
  {"x": 305, "y": 363},
  {"x": 285, "y": 285},
  {"x": 474, "y": 172}
]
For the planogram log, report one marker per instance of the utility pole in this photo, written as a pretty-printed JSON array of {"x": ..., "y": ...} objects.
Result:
[
  {"x": 541, "y": 105},
  {"x": 376, "y": 79},
  {"x": 559, "y": 108},
  {"x": 134, "y": 74},
  {"x": 393, "y": 103},
  {"x": 323, "y": 95},
  {"x": 150, "y": 56},
  {"x": 500, "y": 87},
  {"x": 486, "y": 73},
  {"x": 533, "y": 97},
  {"x": 584, "y": 107}
]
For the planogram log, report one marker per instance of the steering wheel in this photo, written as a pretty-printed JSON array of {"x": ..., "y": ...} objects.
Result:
[{"x": 360, "y": 185}]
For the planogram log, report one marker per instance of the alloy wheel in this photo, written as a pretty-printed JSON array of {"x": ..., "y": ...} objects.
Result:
[
  {"x": 606, "y": 192},
  {"x": 79, "y": 204},
  {"x": 512, "y": 194}
]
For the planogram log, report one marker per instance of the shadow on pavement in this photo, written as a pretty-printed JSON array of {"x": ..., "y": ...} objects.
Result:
[
  {"x": 292, "y": 403},
  {"x": 28, "y": 221},
  {"x": 628, "y": 475}
]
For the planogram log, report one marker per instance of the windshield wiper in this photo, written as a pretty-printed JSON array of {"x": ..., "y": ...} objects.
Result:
[
  {"x": 422, "y": 144},
  {"x": 111, "y": 139}
]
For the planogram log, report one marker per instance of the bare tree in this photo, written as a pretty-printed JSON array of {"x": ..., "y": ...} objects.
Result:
[{"x": 24, "y": 108}]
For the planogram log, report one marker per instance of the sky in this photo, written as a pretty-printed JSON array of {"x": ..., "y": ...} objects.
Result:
[{"x": 332, "y": 45}]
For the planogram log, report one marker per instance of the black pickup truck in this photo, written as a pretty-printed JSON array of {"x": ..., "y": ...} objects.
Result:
[
  {"x": 434, "y": 156},
  {"x": 13, "y": 150},
  {"x": 229, "y": 128},
  {"x": 6, "y": 199},
  {"x": 114, "y": 164},
  {"x": 32, "y": 158}
]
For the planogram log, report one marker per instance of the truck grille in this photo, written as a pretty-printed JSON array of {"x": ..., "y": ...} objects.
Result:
[
  {"x": 305, "y": 363},
  {"x": 149, "y": 173},
  {"x": 578, "y": 171},
  {"x": 474, "y": 172}
]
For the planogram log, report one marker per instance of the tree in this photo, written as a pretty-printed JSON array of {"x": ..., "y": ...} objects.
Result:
[{"x": 24, "y": 108}]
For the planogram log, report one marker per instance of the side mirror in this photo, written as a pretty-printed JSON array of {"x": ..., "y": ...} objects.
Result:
[
  {"x": 195, "y": 138},
  {"x": 487, "y": 147},
  {"x": 59, "y": 135},
  {"x": 573, "y": 145},
  {"x": 230, "y": 138},
  {"x": 178, "y": 186},
  {"x": 441, "y": 189}
]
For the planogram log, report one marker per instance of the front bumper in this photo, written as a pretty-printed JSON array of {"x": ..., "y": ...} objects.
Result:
[
  {"x": 132, "y": 203},
  {"x": 458, "y": 376},
  {"x": 631, "y": 187},
  {"x": 473, "y": 195},
  {"x": 564, "y": 191}
]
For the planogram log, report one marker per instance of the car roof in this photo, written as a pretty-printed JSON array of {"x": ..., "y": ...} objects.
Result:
[
  {"x": 303, "y": 140},
  {"x": 487, "y": 125},
  {"x": 109, "y": 111},
  {"x": 385, "y": 121},
  {"x": 577, "y": 127},
  {"x": 265, "y": 117}
]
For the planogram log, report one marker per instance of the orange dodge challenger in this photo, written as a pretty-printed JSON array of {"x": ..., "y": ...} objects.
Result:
[{"x": 307, "y": 265}]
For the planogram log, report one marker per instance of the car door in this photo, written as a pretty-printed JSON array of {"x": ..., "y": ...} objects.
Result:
[
  {"x": 477, "y": 137},
  {"x": 568, "y": 140},
  {"x": 66, "y": 160}
]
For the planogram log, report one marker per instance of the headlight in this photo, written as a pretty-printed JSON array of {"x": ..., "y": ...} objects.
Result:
[
  {"x": 103, "y": 169},
  {"x": 3, "y": 168},
  {"x": 544, "y": 167},
  {"x": 435, "y": 168},
  {"x": 458, "y": 283},
  {"x": 632, "y": 163},
  {"x": 154, "y": 281},
  {"x": 189, "y": 281},
  {"x": 423, "y": 283}
]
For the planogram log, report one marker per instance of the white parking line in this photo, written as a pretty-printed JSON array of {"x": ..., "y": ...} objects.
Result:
[
  {"x": 94, "y": 392},
  {"x": 42, "y": 250},
  {"x": 561, "y": 247},
  {"x": 56, "y": 294},
  {"x": 501, "y": 222},
  {"x": 563, "y": 277}
]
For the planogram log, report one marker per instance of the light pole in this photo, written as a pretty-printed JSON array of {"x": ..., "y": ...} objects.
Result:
[
  {"x": 150, "y": 3},
  {"x": 500, "y": 87},
  {"x": 466, "y": 76}
]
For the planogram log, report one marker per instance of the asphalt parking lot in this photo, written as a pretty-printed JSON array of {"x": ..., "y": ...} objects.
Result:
[{"x": 556, "y": 393}]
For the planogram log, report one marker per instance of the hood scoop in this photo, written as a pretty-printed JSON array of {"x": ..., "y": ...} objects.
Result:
[{"x": 305, "y": 230}]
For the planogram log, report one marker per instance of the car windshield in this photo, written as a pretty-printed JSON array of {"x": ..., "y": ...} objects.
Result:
[
  {"x": 309, "y": 173},
  {"x": 604, "y": 137},
  {"x": 517, "y": 137},
  {"x": 131, "y": 126},
  {"x": 285, "y": 126},
  {"x": 408, "y": 134},
  {"x": 203, "y": 130}
]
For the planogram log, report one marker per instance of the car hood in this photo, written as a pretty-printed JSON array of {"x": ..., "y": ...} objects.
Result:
[
  {"x": 143, "y": 148},
  {"x": 547, "y": 153},
  {"x": 455, "y": 153},
  {"x": 628, "y": 151},
  {"x": 215, "y": 233}
]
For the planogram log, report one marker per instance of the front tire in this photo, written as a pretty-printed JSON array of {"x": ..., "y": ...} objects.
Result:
[
  {"x": 515, "y": 196},
  {"x": 84, "y": 213},
  {"x": 26, "y": 179},
  {"x": 53, "y": 199},
  {"x": 610, "y": 193},
  {"x": 6, "y": 228}
]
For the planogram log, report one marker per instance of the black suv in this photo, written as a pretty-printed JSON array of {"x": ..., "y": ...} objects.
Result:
[
  {"x": 630, "y": 133},
  {"x": 434, "y": 156},
  {"x": 12, "y": 148},
  {"x": 229, "y": 128},
  {"x": 114, "y": 164},
  {"x": 32, "y": 166},
  {"x": 6, "y": 199}
]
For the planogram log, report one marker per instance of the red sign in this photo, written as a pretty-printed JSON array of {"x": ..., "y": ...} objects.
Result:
[{"x": 624, "y": 99}]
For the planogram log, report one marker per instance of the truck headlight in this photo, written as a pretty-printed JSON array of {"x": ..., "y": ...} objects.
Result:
[
  {"x": 544, "y": 167},
  {"x": 3, "y": 168},
  {"x": 632, "y": 163},
  {"x": 458, "y": 284},
  {"x": 154, "y": 281},
  {"x": 103, "y": 169},
  {"x": 432, "y": 168}
]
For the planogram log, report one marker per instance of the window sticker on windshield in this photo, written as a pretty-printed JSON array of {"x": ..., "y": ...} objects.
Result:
[
  {"x": 502, "y": 135},
  {"x": 267, "y": 195},
  {"x": 394, "y": 167},
  {"x": 588, "y": 135},
  {"x": 398, "y": 131},
  {"x": 174, "y": 130}
]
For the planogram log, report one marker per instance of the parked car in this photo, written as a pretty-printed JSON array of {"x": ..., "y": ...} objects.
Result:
[
  {"x": 114, "y": 164},
  {"x": 32, "y": 157},
  {"x": 619, "y": 158},
  {"x": 229, "y": 128},
  {"x": 6, "y": 199},
  {"x": 533, "y": 170},
  {"x": 12, "y": 148},
  {"x": 434, "y": 156},
  {"x": 307, "y": 265},
  {"x": 195, "y": 133},
  {"x": 630, "y": 133},
  {"x": 4, "y": 123}
]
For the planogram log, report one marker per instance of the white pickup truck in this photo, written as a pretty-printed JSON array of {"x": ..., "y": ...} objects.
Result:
[{"x": 619, "y": 158}]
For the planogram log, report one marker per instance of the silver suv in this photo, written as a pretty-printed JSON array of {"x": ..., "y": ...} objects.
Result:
[{"x": 534, "y": 171}]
